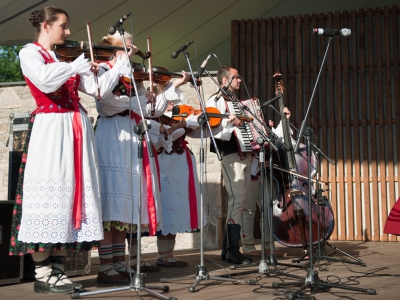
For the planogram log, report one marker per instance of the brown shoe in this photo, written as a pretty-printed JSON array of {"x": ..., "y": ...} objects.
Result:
[
  {"x": 146, "y": 268},
  {"x": 116, "y": 278},
  {"x": 164, "y": 263}
]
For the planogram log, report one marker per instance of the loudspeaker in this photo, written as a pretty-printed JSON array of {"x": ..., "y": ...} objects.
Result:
[
  {"x": 11, "y": 267},
  {"x": 18, "y": 132}
]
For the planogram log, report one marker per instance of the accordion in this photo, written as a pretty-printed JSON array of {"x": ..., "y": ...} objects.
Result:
[{"x": 247, "y": 134}]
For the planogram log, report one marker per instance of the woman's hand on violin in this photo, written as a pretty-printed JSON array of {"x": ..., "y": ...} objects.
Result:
[
  {"x": 234, "y": 120},
  {"x": 181, "y": 80},
  {"x": 132, "y": 49},
  {"x": 180, "y": 124},
  {"x": 231, "y": 118},
  {"x": 151, "y": 97},
  {"x": 94, "y": 67},
  {"x": 238, "y": 122}
]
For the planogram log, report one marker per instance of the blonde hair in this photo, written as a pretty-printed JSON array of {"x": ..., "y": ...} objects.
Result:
[{"x": 116, "y": 39}]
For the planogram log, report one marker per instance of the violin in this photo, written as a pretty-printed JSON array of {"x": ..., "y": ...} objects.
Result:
[
  {"x": 160, "y": 75},
  {"x": 183, "y": 111},
  {"x": 70, "y": 50}
]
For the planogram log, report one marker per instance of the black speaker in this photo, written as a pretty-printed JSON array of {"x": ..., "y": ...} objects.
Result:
[
  {"x": 11, "y": 267},
  {"x": 18, "y": 133}
]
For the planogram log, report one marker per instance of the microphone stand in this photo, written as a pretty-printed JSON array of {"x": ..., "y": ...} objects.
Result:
[
  {"x": 312, "y": 280},
  {"x": 201, "y": 270},
  {"x": 137, "y": 280}
]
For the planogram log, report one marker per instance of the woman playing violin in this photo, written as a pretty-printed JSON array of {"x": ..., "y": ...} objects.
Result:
[
  {"x": 59, "y": 175},
  {"x": 179, "y": 184},
  {"x": 119, "y": 112}
]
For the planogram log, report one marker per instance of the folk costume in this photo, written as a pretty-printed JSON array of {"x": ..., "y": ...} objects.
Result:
[{"x": 58, "y": 203}]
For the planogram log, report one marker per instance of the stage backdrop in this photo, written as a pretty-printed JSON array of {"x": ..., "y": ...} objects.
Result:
[{"x": 355, "y": 112}]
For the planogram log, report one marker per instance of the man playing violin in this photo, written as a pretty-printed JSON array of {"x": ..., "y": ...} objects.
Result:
[{"x": 236, "y": 168}]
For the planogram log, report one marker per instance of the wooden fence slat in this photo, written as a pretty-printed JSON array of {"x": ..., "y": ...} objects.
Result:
[
  {"x": 364, "y": 133},
  {"x": 348, "y": 162},
  {"x": 269, "y": 83},
  {"x": 298, "y": 67},
  {"x": 248, "y": 71},
  {"x": 384, "y": 129},
  {"x": 256, "y": 57},
  {"x": 354, "y": 105},
  {"x": 243, "y": 55},
  {"x": 306, "y": 70},
  {"x": 264, "y": 62},
  {"x": 372, "y": 130},
  {"x": 338, "y": 129},
  {"x": 288, "y": 75}
]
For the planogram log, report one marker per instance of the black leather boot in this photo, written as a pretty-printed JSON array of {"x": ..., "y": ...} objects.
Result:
[
  {"x": 224, "y": 246},
  {"x": 234, "y": 256}
]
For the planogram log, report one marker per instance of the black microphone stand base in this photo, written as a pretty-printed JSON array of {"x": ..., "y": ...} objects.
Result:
[
  {"x": 202, "y": 274},
  {"x": 321, "y": 255},
  {"x": 313, "y": 282},
  {"x": 137, "y": 285}
]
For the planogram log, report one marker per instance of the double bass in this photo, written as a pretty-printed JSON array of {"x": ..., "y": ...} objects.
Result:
[{"x": 291, "y": 208}]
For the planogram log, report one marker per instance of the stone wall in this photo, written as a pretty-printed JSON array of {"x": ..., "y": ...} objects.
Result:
[{"x": 16, "y": 98}]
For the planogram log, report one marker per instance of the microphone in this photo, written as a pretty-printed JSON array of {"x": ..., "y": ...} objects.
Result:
[
  {"x": 224, "y": 89},
  {"x": 113, "y": 29},
  {"x": 269, "y": 102},
  {"x": 203, "y": 66},
  {"x": 329, "y": 32},
  {"x": 183, "y": 48}
]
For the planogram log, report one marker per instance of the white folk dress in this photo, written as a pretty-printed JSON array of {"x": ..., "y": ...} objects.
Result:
[
  {"x": 175, "y": 189},
  {"x": 122, "y": 183},
  {"x": 49, "y": 180}
]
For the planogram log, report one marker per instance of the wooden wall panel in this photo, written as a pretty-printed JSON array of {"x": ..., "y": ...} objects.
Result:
[{"x": 354, "y": 110}]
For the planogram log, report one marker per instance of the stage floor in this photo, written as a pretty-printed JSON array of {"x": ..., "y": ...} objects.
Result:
[{"x": 381, "y": 273}]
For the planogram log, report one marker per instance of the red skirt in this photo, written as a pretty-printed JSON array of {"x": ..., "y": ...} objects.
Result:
[{"x": 392, "y": 225}]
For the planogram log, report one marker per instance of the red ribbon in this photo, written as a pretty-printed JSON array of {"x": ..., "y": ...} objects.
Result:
[
  {"x": 194, "y": 223},
  {"x": 147, "y": 172}
]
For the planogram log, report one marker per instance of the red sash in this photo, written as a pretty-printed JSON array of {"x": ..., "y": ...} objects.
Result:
[
  {"x": 194, "y": 223},
  {"x": 147, "y": 172}
]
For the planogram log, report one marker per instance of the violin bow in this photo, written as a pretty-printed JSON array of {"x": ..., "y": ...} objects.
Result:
[
  {"x": 96, "y": 79},
  {"x": 151, "y": 78}
]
